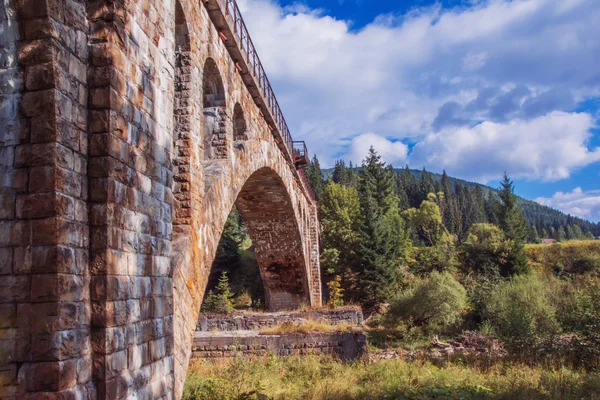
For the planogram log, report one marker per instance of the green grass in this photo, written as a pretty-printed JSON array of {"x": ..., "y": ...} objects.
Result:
[{"x": 323, "y": 378}]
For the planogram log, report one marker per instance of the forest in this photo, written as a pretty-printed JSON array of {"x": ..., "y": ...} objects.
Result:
[{"x": 429, "y": 259}]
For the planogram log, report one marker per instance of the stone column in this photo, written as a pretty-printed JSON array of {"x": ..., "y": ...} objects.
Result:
[
  {"x": 44, "y": 290},
  {"x": 130, "y": 172}
]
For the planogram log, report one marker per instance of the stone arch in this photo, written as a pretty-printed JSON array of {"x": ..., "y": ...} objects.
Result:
[
  {"x": 216, "y": 142},
  {"x": 240, "y": 129},
  {"x": 182, "y": 165},
  {"x": 268, "y": 211}
]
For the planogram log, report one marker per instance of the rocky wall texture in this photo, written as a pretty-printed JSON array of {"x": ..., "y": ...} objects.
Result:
[
  {"x": 243, "y": 320},
  {"x": 114, "y": 193},
  {"x": 345, "y": 345}
]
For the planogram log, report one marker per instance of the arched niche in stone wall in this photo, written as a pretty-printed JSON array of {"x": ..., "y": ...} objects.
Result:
[
  {"x": 182, "y": 163},
  {"x": 216, "y": 141},
  {"x": 240, "y": 129}
]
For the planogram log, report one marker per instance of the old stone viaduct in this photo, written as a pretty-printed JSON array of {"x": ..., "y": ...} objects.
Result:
[{"x": 128, "y": 130}]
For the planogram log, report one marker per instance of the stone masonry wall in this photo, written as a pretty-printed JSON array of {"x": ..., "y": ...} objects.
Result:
[
  {"x": 346, "y": 345},
  {"x": 110, "y": 209},
  {"x": 243, "y": 320}
]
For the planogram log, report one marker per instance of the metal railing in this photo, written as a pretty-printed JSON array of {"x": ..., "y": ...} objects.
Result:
[
  {"x": 300, "y": 154},
  {"x": 256, "y": 68}
]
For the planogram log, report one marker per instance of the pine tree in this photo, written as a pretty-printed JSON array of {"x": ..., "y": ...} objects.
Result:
[
  {"x": 383, "y": 239},
  {"x": 514, "y": 226},
  {"x": 410, "y": 185},
  {"x": 339, "y": 172},
  {"x": 426, "y": 186},
  {"x": 478, "y": 200},
  {"x": 315, "y": 177}
]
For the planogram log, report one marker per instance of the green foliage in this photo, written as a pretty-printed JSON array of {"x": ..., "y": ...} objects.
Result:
[
  {"x": 487, "y": 250},
  {"x": 220, "y": 300},
  {"x": 315, "y": 177},
  {"x": 324, "y": 378},
  {"x": 441, "y": 257},
  {"x": 340, "y": 218},
  {"x": 436, "y": 302},
  {"x": 580, "y": 314},
  {"x": 513, "y": 224},
  {"x": 426, "y": 221},
  {"x": 336, "y": 293},
  {"x": 383, "y": 240},
  {"x": 522, "y": 312},
  {"x": 576, "y": 257},
  {"x": 588, "y": 262}
]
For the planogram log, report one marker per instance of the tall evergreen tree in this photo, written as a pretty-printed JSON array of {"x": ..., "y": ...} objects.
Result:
[
  {"x": 514, "y": 226},
  {"x": 383, "y": 239},
  {"x": 315, "y": 177},
  {"x": 426, "y": 186},
  {"x": 478, "y": 200}
]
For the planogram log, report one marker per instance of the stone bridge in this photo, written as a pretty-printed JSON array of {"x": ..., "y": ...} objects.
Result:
[{"x": 128, "y": 131}]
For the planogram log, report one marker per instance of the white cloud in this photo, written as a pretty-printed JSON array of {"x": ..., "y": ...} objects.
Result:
[
  {"x": 584, "y": 204},
  {"x": 406, "y": 76},
  {"x": 394, "y": 153},
  {"x": 547, "y": 147}
]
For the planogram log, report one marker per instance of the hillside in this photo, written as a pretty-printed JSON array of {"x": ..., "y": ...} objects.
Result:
[{"x": 535, "y": 213}]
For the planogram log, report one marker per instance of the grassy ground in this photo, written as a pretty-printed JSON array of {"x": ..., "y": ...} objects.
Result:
[{"x": 323, "y": 378}]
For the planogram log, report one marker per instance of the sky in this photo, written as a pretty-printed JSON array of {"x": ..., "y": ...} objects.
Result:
[{"x": 473, "y": 87}]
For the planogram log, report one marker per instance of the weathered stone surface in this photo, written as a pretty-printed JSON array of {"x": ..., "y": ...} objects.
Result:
[
  {"x": 243, "y": 320},
  {"x": 127, "y": 133},
  {"x": 346, "y": 345}
]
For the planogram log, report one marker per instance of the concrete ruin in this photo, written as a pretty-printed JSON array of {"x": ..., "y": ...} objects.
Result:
[{"x": 128, "y": 130}]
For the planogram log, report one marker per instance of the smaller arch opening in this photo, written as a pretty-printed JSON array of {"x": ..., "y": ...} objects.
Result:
[
  {"x": 213, "y": 90},
  {"x": 240, "y": 129},
  {"x": 216, "y": 140}
]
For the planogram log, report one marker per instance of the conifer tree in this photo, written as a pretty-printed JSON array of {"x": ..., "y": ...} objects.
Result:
[
  {"x": 383, "y": 239},
  {"x": 514, "y": 226},
  {"x": 315, "y": 177},
  {"x": 478, "y": 200}
]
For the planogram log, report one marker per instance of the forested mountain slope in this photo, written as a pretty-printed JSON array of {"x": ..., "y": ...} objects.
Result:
[{"x": 547, "y": 221}]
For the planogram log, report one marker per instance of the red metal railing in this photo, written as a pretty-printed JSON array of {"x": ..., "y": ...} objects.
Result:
[
  {"x": 239, "y": 28},
  {"x": 256, "y": 68}
]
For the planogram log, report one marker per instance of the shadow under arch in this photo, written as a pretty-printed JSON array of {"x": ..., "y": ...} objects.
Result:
[{"x": 268, "y": 213}]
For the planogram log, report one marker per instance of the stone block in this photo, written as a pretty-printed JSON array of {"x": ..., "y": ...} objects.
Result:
[
  {"x": 45, "y": 205},
  {"x": 48, "y": 376}
]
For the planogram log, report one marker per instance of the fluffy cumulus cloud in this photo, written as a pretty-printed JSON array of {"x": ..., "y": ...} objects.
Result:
[
  {"x": 394, "y": 153},
  {"x": 584, "y": 204},
  {"x": 494, "y": 76},
  {"x": 547, "y": 147}
]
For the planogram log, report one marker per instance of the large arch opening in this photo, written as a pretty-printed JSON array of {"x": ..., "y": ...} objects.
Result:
[
  {"x": 262, "y": 242},
  {"x": 216, "y": 142}
]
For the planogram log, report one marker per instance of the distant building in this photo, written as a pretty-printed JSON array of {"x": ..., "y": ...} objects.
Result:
[{"x": 548, "y": 241}]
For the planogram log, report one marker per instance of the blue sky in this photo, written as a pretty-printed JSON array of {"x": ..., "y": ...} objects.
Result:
[{"x": 476, "y": 87}]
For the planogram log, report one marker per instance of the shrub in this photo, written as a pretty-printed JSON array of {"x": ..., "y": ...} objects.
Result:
[
  {"x": 435, "y": 302},
  {"x": 580, "y": 315},
  {"x": 487, "y": 250},
  {"x": 336, "y": 293},
  {"x": 220, "y": 300},
  {"x": 521, "y": 311},
  {"x": 587, "y": 262}
]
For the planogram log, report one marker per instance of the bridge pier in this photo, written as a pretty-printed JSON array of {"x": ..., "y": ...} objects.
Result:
[{"x": 113, "y": 200}]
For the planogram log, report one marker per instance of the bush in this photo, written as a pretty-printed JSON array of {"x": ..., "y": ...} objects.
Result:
[
  {"x": 336, "y": 293},
  {"x": 221, "y": 300},
  {"x": 580, "y": 316},
  {"x": 436, "y": 302},
  {"x": 487, "y": 250},
  {"x": 522, "y": 312},
  {"x": 587, "y": 262}
]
